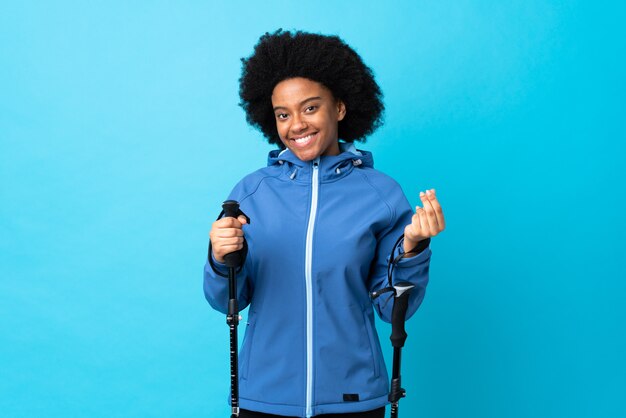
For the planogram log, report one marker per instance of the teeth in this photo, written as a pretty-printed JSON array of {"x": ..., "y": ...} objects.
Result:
[{"x": 303, "y": 140}]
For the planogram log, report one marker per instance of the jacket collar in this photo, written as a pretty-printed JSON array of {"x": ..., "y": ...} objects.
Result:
[{"x": 331, "y": 167}]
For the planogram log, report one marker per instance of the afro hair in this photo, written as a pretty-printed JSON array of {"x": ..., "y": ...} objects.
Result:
[{"x": 325, "y": 59}]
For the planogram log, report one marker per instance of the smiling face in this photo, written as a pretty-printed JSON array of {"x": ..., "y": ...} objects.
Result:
[{"x": 307, "y": 117}]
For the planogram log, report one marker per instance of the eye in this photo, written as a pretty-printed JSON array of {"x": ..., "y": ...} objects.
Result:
[
  {"x": 281, "y": 116},
  {"x": 310, "y": 109}
]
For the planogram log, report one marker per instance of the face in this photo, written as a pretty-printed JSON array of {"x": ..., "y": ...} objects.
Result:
[{"x": 307, "y": 117}]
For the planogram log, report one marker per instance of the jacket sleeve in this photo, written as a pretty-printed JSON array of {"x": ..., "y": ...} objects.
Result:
[
  {"x": 413, "y": 269},
  {"x": 216, "y": 286}
]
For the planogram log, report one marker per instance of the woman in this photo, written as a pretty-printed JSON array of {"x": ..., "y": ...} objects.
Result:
[{"x": 324, "y": 223}]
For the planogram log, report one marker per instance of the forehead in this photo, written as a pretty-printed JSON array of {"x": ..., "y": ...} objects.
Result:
[{"x": 295, "y": 90}]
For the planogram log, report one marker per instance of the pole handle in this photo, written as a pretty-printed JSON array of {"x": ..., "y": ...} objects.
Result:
[
  {"x": 231, "y": 210},
  {"x": 398, "y": 314}
]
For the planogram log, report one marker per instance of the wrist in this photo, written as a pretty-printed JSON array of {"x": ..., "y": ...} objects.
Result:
[
  {"x": 412, "y": 248},
  {"x": 216, "y": 258},
  {"x": 409, "y": 244}
]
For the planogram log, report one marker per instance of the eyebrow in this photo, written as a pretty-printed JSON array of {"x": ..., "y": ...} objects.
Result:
[{"x": 301, "y": 103}]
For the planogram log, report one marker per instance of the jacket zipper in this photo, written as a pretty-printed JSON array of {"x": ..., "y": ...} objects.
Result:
[{"x": 308, "y": 274}]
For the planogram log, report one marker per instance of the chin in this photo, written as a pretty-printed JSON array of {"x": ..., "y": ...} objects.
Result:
[{"x": 305, "y": 155}]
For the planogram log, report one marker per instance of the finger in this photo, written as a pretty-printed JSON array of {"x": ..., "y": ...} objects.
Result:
[
  {"x": 414, "y": 230},
  {"x": 220, "y": 252},
  {"x": 217, "y": 235},
  {"x": 226, "y": 249},
  {"x": 430, "y": 213},
  {"x": 227, "y": 223},
  {"x": 229, "y": 232},
  {"x": 220, "y": 247},
  {"x": 441, "y": 222},
  {"x": 423, "y": 222},
  {"x": 225, "y": 231},
  {"x": 230, "y": 241}
]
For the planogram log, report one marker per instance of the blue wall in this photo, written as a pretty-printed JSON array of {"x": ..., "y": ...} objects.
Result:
[{"x": 120, "y": 135}]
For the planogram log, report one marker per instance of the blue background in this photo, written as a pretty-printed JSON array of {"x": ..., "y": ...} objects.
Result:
[{"x": 120, "y": 135}]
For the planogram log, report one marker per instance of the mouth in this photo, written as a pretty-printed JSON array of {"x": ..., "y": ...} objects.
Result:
[{"x": 303, "y": 141}]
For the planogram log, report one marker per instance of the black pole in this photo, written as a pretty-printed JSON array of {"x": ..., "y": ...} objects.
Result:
[
  {"x": 233, "y": 261},
  {"x": 398, "y": 337},
  {"x": 232, "y": 319}
]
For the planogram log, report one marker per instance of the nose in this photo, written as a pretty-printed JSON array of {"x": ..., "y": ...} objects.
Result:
[{"x": 298, "y": 124}]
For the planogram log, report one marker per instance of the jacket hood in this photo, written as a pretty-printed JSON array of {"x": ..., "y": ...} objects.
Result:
[{"x": 331, "y": 167}]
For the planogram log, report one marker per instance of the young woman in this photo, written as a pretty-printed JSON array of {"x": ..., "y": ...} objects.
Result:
[{"x": 323, "y": 226}]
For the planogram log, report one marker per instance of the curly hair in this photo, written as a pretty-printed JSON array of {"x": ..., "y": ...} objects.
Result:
[{"x": 325, "y": 59}]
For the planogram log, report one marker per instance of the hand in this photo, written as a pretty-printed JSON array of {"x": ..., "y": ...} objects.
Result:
[
  {"x": 426, "y": 222},
  {"x": 226, "y": 236}
]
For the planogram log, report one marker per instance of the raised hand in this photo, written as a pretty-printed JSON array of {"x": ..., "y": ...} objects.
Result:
[{"x": 427, "y": 221}]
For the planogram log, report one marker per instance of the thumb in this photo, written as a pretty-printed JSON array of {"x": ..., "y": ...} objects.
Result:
[{"x": 242, "y": 219}]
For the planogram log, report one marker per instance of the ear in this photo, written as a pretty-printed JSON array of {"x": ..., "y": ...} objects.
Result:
[{"x": 341, "y": 110}]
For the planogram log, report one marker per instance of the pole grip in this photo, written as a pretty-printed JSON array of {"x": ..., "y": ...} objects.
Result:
[
  {"x": 231, "y": 210},
  {"x": 398, "y": 314}
]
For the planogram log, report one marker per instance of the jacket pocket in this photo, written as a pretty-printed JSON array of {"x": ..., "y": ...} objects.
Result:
[{"x": 373, "y": 337}]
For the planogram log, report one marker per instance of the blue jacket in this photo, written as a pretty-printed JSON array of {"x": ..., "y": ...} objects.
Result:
[{"x": 320, "y": 236}]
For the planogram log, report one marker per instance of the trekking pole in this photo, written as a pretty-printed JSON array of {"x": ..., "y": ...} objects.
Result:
[
  {"x": 233, "y": 261},
  {"x": 398, "y": 337}
]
